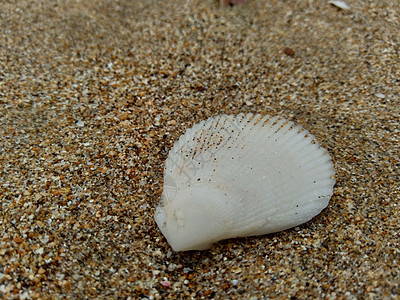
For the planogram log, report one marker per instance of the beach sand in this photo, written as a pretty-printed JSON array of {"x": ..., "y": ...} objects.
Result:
[{"x": 93, "y": 95}]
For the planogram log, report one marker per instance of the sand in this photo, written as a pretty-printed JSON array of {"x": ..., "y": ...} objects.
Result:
[{"x": 93, "y": 95}]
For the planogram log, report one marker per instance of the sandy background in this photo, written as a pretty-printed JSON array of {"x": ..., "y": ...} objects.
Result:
[{"x": 94, "y": 93}]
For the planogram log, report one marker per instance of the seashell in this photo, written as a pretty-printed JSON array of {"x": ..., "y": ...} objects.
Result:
[
  {"x": 340, "y": 4},
  {"x": 235, "y": 176}
]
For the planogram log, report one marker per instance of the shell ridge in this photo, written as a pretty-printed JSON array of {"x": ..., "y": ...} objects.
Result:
[{"x": 277, "y": 188}]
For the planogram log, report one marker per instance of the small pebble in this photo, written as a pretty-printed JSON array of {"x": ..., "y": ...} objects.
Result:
[{"x": 289, "y": 51}]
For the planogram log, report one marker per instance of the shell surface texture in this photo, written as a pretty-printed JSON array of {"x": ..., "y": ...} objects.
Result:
[{"x": 241, "y": 175}]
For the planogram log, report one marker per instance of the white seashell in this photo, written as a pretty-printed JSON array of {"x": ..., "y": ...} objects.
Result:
[
  {"x": 234, "y": 176},
  {"x": 340, "y": 4}
]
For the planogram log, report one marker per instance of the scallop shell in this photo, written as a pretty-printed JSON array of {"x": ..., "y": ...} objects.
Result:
[{"x": 235, "y": 176}]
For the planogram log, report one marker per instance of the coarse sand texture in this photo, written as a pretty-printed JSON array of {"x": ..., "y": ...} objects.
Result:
[{"x": 94, "y": 95}]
